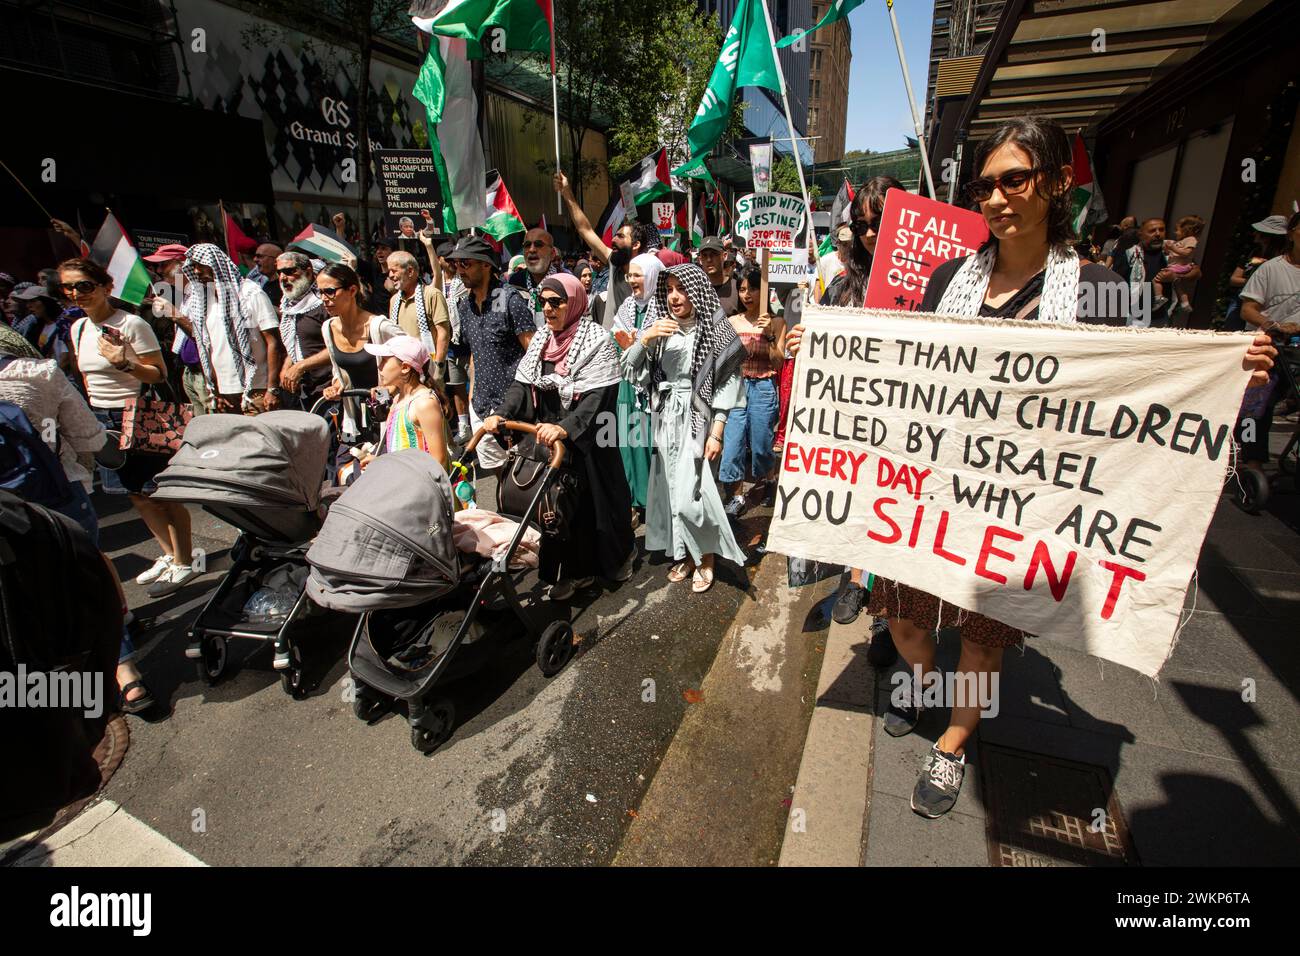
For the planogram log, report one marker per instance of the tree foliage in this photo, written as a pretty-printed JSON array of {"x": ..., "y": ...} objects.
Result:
[{"x": 785, "y": 179}]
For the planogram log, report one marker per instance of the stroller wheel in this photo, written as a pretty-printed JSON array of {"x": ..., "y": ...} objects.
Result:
[
  {"x": 212, "y": 664},
  {"x": 433, "y": 726},
  {"x": 1252, "y": 490},
  {"x": 291, "y": 678},
  {"x": 554, "y": 648},
  {"x": 368, "y": 706}
]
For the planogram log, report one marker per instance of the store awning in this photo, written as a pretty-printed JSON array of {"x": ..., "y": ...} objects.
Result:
[{"x": 1078, "y": 60}]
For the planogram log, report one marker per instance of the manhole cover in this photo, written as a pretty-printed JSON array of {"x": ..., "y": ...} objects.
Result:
[{"x": 1047, "y": 811}]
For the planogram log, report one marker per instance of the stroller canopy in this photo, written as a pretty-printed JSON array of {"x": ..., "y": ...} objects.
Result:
[
  {"x": 276, "y": 459},
  {"x": 387, "y": 541}
]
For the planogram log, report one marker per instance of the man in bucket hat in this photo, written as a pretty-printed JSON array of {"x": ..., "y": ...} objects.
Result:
[{"x": 496, "y": 324}]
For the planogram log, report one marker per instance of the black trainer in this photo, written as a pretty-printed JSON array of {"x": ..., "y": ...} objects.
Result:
[
  {"x": 849, "y": 604},
  {"x": 939, "y": 785},
  {"x": 904, "y": 709},
  {"x": 882, "y": 653}
]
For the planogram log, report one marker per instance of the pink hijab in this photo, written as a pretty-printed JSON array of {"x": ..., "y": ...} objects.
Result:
[{"x": 557, "y": 348}]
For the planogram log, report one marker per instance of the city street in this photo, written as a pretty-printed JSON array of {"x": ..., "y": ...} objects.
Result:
[{"x": 537, "y": 771}]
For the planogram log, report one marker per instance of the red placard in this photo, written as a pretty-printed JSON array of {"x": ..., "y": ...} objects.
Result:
[{"x": 916, "y": 236}]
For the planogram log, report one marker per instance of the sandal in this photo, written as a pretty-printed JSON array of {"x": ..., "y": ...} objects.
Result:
[
  {"x": 681, "y": 571},
  {"x": 140, "y": 704},
  {"x": 702, "y": 580}
]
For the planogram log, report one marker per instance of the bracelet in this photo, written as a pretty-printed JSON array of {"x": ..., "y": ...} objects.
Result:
[{"x": 124, "y": 367}]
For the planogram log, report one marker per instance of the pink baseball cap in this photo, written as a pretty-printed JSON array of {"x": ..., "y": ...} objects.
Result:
[
  {"x": 171, "y": 252},
  {"x": 407, "y": 350}
]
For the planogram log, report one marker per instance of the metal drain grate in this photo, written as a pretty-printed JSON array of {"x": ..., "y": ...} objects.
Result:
[{"x": 1047, "y": 811}]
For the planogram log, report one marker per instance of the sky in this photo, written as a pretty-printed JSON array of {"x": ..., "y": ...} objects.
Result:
[{"x": 878, "y": 116}]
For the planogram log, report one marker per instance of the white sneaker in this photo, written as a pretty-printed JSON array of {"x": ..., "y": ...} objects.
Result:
[
  {"x": 160, "y": 567},
  {"x": 172, "y": 581},
  {"x": 735, "y": 507}
]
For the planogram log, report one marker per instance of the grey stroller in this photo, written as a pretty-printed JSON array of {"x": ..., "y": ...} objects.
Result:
[
  {"x": 263, "y": 475},
  {"x": 386, "y": 550}
]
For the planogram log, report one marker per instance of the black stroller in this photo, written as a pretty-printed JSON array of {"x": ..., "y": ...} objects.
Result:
[
  {"x": 263, "y": 475},
  {"x": 387, "y": 550}
]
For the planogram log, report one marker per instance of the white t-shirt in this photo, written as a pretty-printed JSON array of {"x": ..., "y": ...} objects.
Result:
[
  {"x": 261, "y": 317},
  {"x": 1276, "y": 287},
  {"x": 108, "y": 387}
]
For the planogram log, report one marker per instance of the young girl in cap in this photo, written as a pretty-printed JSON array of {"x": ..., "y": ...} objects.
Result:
[{"x": 417, "y": 418}]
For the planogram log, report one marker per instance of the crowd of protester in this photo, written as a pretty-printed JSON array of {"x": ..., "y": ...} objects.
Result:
[{"x": 666, "y": 378}]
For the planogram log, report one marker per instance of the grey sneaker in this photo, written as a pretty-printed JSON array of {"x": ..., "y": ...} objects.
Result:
[
  {"x": 848, "y": 605},
  {"x": 904, "y": 709},
  {"x": 939, "y": 785},
  {"x": 565, "y": 588},
  {"x": 735, "y": 507},
  {"x": 462, "y": 437}
]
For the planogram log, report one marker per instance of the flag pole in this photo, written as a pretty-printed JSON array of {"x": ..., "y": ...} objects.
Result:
[
  {"x": 555, "y": 114},
  {"x": 690, "y": 215},
  {"x": 23, "y": 187},
  {"x": 789, "y": 119},
  {"x": 911, "y": 100}
]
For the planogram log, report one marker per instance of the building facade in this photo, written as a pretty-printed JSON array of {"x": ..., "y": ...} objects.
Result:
[
  {"x": 830, "y": 53},
  {"x": 962, "y": 28},
  {"x": 198, "y": 102}
]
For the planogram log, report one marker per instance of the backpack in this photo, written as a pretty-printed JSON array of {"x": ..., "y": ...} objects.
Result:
[
  {"x": 28, "y": 468},
  {"x": 45, "y": 558}
]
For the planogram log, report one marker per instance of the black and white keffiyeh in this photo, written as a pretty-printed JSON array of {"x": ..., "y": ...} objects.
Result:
[
  {"x": 965, "y": 293},
  {"x": 717, "y": 350},
  {"x": 421, "y": 315},
  {"x": 233, "y": 318},
  {"x": 289, "y": 312},
  {"x": 592, "y": 361}
]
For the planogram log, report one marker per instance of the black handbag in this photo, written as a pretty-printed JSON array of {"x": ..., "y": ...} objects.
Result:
[{"x": 526, "y": 465}]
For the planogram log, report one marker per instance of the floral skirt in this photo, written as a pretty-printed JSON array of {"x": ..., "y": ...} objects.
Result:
[{"x": 891, "y": 599}]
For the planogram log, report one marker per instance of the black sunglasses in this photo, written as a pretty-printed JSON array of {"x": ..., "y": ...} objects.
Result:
[
  {"x": 535, "y": 243},
  {"x": 291, "y": 271},
  {"x": 860, "y": 227},
  {"x": 328, "y": 292},
  {"x": 551, "y": 301},
  {"x": 1010, "y": 184}
]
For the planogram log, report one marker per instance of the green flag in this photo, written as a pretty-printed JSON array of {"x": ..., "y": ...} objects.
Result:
[
  {"x": 747, "y": 58},
  {"x": 838, "y": 10}
]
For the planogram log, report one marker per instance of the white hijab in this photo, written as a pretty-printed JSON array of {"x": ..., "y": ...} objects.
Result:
[{"x": 650, "y": 266}]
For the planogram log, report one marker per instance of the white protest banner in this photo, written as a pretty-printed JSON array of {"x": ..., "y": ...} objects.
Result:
[
  {"x": 1059, "y": 479},
  {"x": 789, "y": 265},
  {"x": 769, "y": 220}
]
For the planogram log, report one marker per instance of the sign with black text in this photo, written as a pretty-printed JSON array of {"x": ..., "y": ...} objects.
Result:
[
  {"x": 1036, "y": 473},
  {"x": 409, "y": 183}
]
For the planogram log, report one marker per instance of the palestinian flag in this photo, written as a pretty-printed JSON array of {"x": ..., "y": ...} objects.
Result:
[
  {"x": 648, "y": 180},
  {"x": 1085, "y": 197},
  {"x": 697, "y": 231},
  {"x": 502, "y": 217},
  {"x": 318, "y": 242},
  {"x": 112, "y": 249},
  {"x": 236, "y": 241},
  {"x": 524, "y": 24}
]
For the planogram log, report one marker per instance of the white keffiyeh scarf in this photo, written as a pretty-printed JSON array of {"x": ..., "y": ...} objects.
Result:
[
  {"x": 592, "y": 360},
  {"x": 965, "y": 293},
  {"x": 234, "y": 322}
]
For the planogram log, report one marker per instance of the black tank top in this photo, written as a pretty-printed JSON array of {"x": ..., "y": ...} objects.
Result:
[{"x": 361, "y": 366}]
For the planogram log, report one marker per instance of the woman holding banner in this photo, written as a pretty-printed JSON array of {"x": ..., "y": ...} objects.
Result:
[
  {"x": 1026, "y": 270},
  {"x": 689, "y": 358}
]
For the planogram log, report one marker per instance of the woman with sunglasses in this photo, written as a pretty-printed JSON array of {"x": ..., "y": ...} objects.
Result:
[
  {"x": 117, "y": 355},
  {"x": 347, "y": 332},
  {"x": 567, "y": 385},
  {"x": 1026, "y": 270}
]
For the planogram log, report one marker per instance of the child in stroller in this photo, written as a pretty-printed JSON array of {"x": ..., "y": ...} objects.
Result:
[{"x": 388, "y": 549}]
